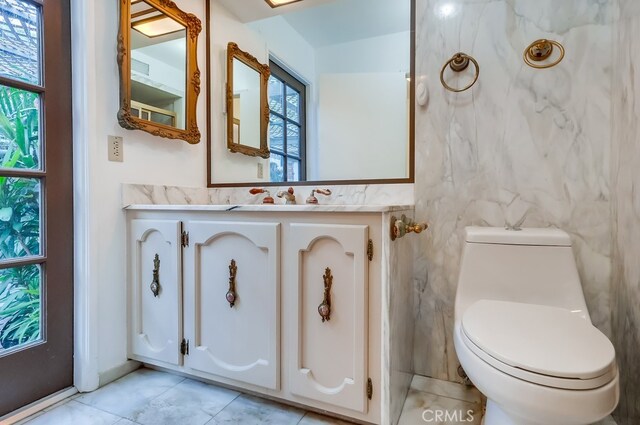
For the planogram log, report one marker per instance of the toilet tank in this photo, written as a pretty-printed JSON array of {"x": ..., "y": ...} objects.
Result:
[{"x": 534, "y": 266}]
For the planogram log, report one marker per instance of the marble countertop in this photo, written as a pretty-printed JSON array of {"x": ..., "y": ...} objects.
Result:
[{"x": 273, "y": 208}]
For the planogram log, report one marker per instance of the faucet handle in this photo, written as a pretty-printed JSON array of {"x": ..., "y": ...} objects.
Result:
[
  {"x": 312, "y": 198},
  {"x": 289, "y": 197},
  {"x": 267, "y": 199}
]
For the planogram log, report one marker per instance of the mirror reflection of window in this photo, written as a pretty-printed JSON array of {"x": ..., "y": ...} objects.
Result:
[
  {"x": 158, "y": 66},
  {"x": 287, "y": 126}
]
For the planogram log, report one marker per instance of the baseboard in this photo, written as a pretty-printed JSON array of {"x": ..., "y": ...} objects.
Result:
[
  {"x": 37, "y": 406},
  {"x": 118, "y": 372}
]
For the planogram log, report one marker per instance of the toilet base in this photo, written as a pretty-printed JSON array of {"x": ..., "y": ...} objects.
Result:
[{"x": 494, "y": 415}]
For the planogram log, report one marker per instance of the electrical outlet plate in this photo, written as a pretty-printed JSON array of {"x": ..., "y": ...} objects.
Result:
[
  {"x": 260, "y": 170},
  {"x": 115, "y": 148}
]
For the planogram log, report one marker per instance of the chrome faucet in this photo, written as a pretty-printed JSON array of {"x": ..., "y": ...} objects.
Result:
[{"x": 289, "y": 197}]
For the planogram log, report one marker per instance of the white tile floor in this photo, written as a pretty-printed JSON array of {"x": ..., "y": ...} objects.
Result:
[
  {"x": 149, "y": 397},
  {"x": 427, "y": 397},
  {"x": 433, "y": 395}
]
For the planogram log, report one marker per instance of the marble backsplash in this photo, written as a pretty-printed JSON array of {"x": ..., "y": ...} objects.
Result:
[
  {"x": 396, "y": 194},
  {"x": 523, "y": 145},
  {"x": 626, "y": 209}
]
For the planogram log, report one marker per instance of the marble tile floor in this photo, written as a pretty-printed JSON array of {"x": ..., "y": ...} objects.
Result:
[
  {"x": 427, "y": 396},
  {"x": 149, "y": 397},
  {"x": 429, "y": 400}
]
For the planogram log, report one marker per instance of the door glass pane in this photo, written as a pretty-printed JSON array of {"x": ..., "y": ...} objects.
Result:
[
  {"x": 19, "y": 217},
  {"x": 19, "y": 128},
  {"x": 276, "y": 133},
  {"x": 20, "y": 40},
  {"x": 275, "y": 95},
  {"x": 293, "y": 105},
  {"x": 293, "y": 170},
  {"x": 293, "y": 140},
  {"x": 276, "y": 167},
  {"x": 20, "y": 303}
]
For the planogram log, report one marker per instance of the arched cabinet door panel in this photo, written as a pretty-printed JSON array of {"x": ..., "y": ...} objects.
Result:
[
  {"x": 329, "y": 341},
  {"x": 232, "y": 303},
  {"x": 155, "y": 288}
]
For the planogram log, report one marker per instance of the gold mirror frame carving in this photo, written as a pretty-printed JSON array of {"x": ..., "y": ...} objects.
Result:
[
  {"x": 234, "y": 52},
  {"x": 193, "y": 25}
]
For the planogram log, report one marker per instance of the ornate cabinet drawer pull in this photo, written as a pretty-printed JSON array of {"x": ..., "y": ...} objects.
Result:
[
  {"x": 155, "y": 284},
  {"x": 231, "y": 296},
  {"x": 324, "y": 309}
]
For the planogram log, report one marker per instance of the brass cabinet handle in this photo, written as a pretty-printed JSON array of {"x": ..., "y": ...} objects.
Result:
[
  {"x": 231, "y": 296},
  {"x": 155, "y": 284},
  {"x": 324, "y": 309}
]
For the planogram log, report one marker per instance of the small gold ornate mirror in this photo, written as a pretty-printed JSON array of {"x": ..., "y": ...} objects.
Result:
[
  {"x": 247, "y": 107},
  {"x": 159, "y": 75}
]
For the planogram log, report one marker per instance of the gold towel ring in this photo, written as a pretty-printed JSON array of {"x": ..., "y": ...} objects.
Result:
[
  {"x": 458, "y": 63},
  {"x": 540, "y": 50}
]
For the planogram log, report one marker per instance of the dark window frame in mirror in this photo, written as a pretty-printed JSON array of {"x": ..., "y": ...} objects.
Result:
[
  {"x": 411, "y": 129},
  {"x": 234, "y": 52},
  {"x": 126, "y": 118},
  {"x": 289, "y": 81}
]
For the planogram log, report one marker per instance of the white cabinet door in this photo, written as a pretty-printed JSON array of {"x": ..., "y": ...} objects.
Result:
[
  {"x": 239, "y": 341},
  {"x": 329, "y": 358},
  {"x": 155, "y": 286}
]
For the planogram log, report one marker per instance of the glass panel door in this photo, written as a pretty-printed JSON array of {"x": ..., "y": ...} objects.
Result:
[{"x": 36, "y": 232}]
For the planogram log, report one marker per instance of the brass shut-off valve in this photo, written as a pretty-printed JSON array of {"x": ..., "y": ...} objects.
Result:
[{"x": 404, "y": 225}]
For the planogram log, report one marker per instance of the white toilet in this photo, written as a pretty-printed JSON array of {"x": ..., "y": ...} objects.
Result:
[{"x": 523, "y": 333}]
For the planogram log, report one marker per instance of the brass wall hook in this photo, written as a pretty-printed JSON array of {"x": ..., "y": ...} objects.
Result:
[
  {"x": 458, "y": 63},
  {"x": 540, "y": 50}
]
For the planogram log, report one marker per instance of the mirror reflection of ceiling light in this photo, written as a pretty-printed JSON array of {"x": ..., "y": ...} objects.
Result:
[
  {"x": 157, "y": 26},
  {"x": 278, "y": 3}
]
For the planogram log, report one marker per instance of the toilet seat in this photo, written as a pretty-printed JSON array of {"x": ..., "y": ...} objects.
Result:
[{"x": 540, "y": 344}]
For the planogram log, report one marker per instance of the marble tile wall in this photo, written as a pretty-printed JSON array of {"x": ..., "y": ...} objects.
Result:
[
  {"x": 626, "y": 208},
  {"x": 399, "y": 324},
  {"x": 523, "y": 145}
]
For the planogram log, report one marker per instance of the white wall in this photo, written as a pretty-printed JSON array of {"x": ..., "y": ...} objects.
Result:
[
  {"x": 227, "y": 166},
  {"x": 365, "y": 55},
  {"x": 147, "y": 159},
  {"x": 362, "y": 102},
  {"x": 362, "y": 110}
]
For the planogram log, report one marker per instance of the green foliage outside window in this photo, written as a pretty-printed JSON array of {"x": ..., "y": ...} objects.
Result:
[{"x": 19, "y": 218}]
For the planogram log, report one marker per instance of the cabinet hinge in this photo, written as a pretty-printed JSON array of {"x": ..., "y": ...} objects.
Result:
[
  {"x": 185, "y": 239},
  {"x": 370, "y": 250},
  {"x": 369, "y": 389},
  {"x": 184, "y": 347}
]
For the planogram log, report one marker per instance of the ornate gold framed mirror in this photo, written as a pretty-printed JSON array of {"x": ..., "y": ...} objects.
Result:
[
  {"x": 159, "y": 75},
  {"x": 247, "y": 104}
]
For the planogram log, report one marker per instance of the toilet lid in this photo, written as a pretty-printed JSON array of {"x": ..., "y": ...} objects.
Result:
[{"x": 542, "y": 339}]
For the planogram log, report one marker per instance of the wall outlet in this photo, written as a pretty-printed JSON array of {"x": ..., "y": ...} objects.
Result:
[
  {"x": 116, "y": 149},
  {"x": 260, "y": 170}
]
